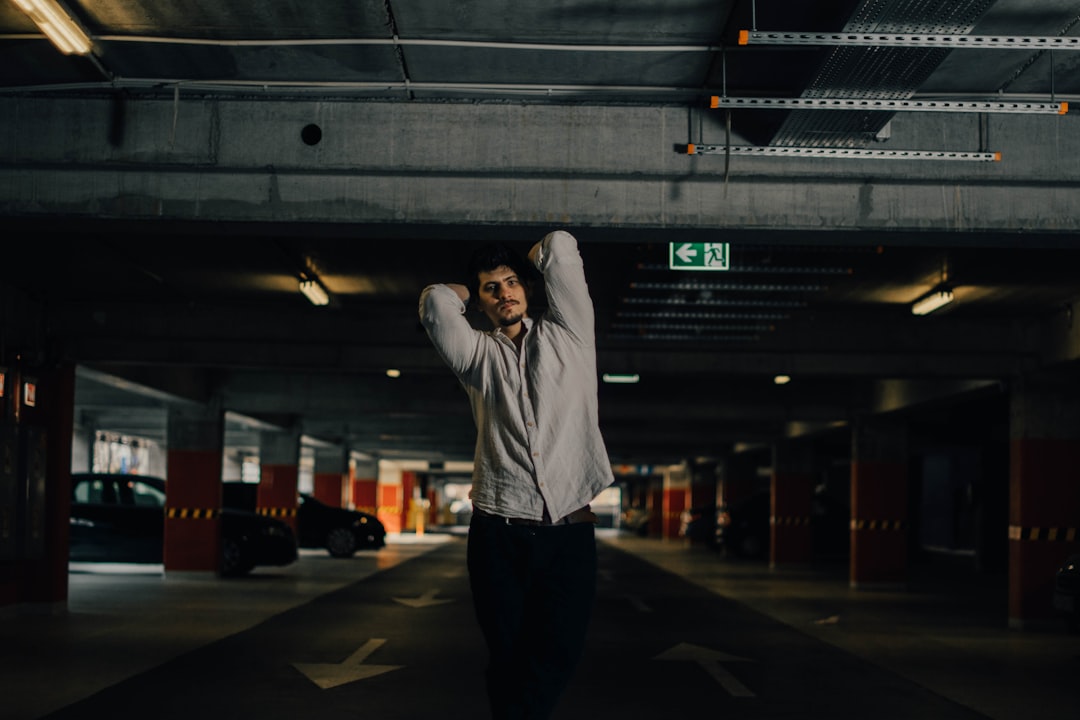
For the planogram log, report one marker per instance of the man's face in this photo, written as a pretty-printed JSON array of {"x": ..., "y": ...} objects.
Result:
[{"x": 502, "y": 296}]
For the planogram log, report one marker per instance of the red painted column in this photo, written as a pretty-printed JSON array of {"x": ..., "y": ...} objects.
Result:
[
  {"x": 9, "y": 490},
  {"x": 409, "y": 486},
  {"x": 36, "y": 420},
  {"x": 279, "y": 475},
  {"x": 1044, "y": 494},
  {"x": 331, "y": 477},
  {"x": 365, "y": 494},
  {"x": 195, "y": 441},
  {"x": 433, "y": 507},
  {"x": 676, "y": 497},
  {"x": 391, "y": 502},
  {"x": 879, "y": 504},
  {"x": 364, "y": 485},
  {"x": 654, "y": 505},
  {"x": 792, "y": 488},
  {"x": 739, "y": 478},
  {"x": 703, "y": 485}
]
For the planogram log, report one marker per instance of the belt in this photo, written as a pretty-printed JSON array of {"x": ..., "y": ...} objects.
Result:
[{"x": 580, "y": 515}]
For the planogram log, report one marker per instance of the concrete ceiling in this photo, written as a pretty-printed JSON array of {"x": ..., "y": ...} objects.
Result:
[{"x": 168, "y": 192}]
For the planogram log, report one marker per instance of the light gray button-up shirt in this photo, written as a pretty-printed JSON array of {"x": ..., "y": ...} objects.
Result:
[{"x": 538, "y": 436}]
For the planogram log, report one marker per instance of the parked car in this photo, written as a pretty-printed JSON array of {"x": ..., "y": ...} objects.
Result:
[
  {"x": 340, "y": 531},
  {"x": 121, "y": 518},
  {"x": 635, "y": 519},
  {"x": 1067, "y": 592}
]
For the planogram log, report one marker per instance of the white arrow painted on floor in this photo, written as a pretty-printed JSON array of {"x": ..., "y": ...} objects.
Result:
[
  {"x": 328, "y": 675},
  {"x": 709, "y": 660},
  {"x": 424, "y": 600}
]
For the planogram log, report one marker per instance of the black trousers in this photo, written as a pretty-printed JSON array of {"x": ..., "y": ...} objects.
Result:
[{"x": 533, "y": 590}]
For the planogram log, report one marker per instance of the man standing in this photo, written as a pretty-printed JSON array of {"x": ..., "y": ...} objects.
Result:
[{"x": 540, "y": 460}]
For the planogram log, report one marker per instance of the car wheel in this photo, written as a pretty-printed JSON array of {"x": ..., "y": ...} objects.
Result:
[
  {"x": 233, "y": 559},
  {"x": 341, "y": 543}
]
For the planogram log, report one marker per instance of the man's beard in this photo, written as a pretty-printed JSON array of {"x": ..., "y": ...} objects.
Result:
[{"x": 511, "y": 320}]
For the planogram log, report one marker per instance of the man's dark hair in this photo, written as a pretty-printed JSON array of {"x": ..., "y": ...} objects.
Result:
[{"x": 496, "y": 255}]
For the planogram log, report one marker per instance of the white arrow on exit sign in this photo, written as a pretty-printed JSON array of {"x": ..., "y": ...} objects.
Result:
[{"x": 698, "y": 256}]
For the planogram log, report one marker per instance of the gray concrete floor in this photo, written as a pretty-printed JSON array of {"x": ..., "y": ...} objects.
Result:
[{"x": 944, "y": 632}]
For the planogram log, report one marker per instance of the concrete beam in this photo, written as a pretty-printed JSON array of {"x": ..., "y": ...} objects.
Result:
[{"x": 467, "y": 164}]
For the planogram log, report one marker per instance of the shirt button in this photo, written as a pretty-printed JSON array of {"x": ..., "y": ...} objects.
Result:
[
  {"x": 529, "y": 424},
  {"x": 536, "y": 454}
]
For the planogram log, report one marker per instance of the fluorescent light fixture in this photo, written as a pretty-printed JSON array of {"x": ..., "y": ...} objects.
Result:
[
  {"x": 933, "y": 301},
  {"x": 57, "y": 25},
  {"x": 314, "y": 292},
  {"x": 626, "y": 379}
]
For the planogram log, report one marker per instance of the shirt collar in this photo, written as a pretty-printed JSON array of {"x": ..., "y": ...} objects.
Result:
[{"x": 526, "y": 323}]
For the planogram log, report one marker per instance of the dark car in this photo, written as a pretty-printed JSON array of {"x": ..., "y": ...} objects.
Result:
[
  {"x": 341, "y": 532},
  {"x": 1067, "y": 592},
  {"x": 636, "y": 520},
  {"x": 121, "y": 518}
]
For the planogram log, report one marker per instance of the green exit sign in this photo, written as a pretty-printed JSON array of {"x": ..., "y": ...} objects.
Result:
[{"x": 698, "y": 256}]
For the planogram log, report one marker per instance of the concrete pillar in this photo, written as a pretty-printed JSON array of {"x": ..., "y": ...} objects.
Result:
[
  {"x": 330, "y": 482},
  {"x": 279, "y": 475},
  {"x": 879, "y": 504},
  {"x": 793, "y": 478},
  {"x": 392, "y": 497},
  {"x": 654, "y": 503},
  {"x": 364, "y": 480},
  {"x": 1044, "y": 492},
  {"x": 739, "y": 479},
  {"x": 676, "y": 498},
  {"x": 195, "y": 444},
  {"x": 36, "y": 419}
]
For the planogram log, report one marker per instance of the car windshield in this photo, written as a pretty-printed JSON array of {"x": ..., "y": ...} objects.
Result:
[{"x": 118, "y": 490}]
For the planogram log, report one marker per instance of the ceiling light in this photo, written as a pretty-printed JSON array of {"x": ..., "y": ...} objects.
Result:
[
  {"x": 782, "y": 379},
  {"x": 57, "y": 25},
  {"x": 626, "y": 379},
  {"x": 393, "y": 373},
  {"x": 315, "y": 292},
  {"x": 933, "y": 301}
]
